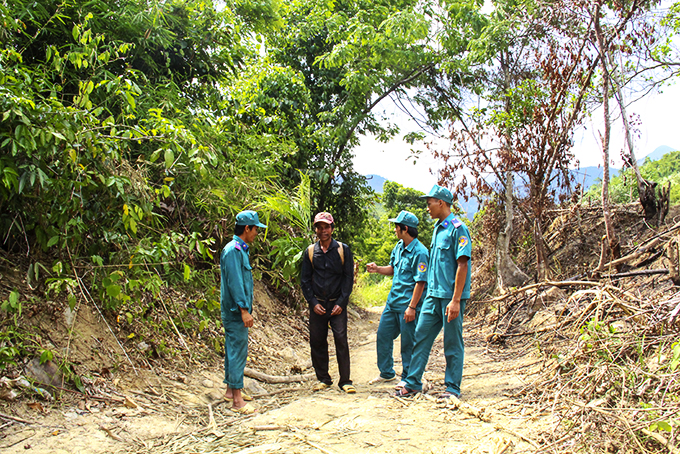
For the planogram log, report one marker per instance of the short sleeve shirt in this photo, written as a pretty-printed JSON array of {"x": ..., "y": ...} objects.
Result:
[
  {"x": 450, "y": 241},
  {"x": 410, "y": 266},
  {"x": 236, "y": 278}
]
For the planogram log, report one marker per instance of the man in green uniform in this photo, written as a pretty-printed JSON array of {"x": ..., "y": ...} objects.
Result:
[
  {"x": 236, "y": 302},
  {"x": 448, "y": 289},
  {"x": 408, "y": 265}
]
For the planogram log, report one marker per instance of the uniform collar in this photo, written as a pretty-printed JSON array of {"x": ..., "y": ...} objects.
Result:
[
  {"x": 447, "y": 222},
  {"x": 241, "y": 243},
  {"x": 411, "y": 245}
]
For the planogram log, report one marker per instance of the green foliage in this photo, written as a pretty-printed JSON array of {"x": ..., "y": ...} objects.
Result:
[
  {"x": 289, "y": 218},
  {"x": 10, "y": 348},
  {"x": 397, "y": 198},
  {"x": 349, "y": 55},
  {"x": 12, "y": 342},
  {"x": 623, "y": 187},
  {"x": 371, "y": 290},
  {"x": 11, "y": 304},
  {"x": 376, "y": 241}
]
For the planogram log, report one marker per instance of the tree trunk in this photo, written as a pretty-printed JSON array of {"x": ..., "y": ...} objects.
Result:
[
  {"x": 663, "y": 202},
  {"x": 612, "y": 239},
  {"x": 508, "y": 273},
  {"x": 646, "y": 189},
  {"x": 541, "y": 264}
]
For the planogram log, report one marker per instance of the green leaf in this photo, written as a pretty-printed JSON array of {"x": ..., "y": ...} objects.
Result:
[
  {"x": 13, "y": 298},
  {"x": 58, "y": 135},
  {"x": 71, "y": 302},
  {"x": 663, "y": 425},
  {"x": 155, "y": 155},
  {"x": 169, "y": 158},
  {"x": 130, "y": 99},
  {"x": 187, "y": 272},
  {"x": 45, "y": 356},
  {"x": 79, "y": 383},
  {"x": 53, "y": 241},
  {"x": 113, "y": 290}
]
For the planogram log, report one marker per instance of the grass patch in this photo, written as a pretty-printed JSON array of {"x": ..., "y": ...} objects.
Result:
[{"x": 371, "y": 290}]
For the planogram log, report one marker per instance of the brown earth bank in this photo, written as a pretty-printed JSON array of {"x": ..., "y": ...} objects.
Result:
[{"x": 572, "y": 365}]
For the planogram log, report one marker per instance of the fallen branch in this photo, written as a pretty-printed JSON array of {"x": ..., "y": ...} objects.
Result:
[
  {"x": 14, "y": 418},
  {"x": 636, "y": 273},
  {"x": 518, "y": 435},
  {"x": 269, "y": 427},
  {"x": 259, "y": 376},
  {"x": 313, "y": 445},
  {"x": 111, "y": 434},
  {"x": 278, "y": 391},
  {"x": 540, "y": 284},
  {"x": 453, "y": 403},
  {"x": 661, "y": 440},
  {"x": 634, "y": 255}
]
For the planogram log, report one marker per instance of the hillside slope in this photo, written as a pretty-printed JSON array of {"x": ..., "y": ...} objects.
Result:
[{"x": 533, "y": 363}]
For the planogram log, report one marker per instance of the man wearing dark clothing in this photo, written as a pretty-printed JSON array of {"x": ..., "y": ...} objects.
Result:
[{"x": 327, "y": 278}]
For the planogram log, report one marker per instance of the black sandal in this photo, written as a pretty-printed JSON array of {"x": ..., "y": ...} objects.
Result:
[{"x": 405, "y": 392}]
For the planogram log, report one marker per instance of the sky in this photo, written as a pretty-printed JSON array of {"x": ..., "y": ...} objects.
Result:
[
  {"x": 658, "y": 113},
  {"x": 659, "y": 125}
]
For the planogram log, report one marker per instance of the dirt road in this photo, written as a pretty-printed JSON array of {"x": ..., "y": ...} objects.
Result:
[{"x": 176, "y": 417}]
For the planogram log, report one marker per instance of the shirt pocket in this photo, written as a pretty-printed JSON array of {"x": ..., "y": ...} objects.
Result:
[{"x": 444, "y": 242}]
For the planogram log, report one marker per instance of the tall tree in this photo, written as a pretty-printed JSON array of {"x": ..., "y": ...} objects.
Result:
[
  {"x": 350, "y": 54},
  {"x": 527, "y": 78}
]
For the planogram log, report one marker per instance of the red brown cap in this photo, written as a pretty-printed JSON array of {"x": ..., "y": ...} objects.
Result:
[{"x": 323, "y": 217}]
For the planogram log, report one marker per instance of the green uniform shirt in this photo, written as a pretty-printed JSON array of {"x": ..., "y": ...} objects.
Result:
[
  {"x": 410, "y": 266},
  {"x": 236, "y": 278},
  {"x": 450, "y": 241}
]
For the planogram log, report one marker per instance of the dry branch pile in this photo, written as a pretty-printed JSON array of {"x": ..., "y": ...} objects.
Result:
[
  {"x": 613, "y": 382},
  {"x": 608, "y": 338}
]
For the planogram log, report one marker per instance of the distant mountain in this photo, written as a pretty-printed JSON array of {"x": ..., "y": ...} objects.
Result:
[
  {"x": 470, "y": 207},
  {"x": 657, "y": 154},
  {"x": 587, "y": 176},
  {"x": 376, "y": 182}
]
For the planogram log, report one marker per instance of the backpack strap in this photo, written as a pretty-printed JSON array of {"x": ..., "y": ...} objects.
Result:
[
  {"x": 341, "y": 251},
  {"x": 310, "y": 253}
]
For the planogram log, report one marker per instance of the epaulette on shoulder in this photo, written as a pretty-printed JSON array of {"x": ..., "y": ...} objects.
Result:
[
  {"x": 456, "y": 223},
  {"x": 237, "y": 246}
]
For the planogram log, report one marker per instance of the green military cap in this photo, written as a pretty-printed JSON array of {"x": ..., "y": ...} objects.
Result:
[
  {"x": 249, "y": 217},
  {"x": 439, "y": 192},
  {"x": 406, "y": 218}
]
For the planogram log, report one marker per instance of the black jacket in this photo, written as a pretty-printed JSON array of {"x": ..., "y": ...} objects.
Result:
[{"x": 328, "y": 282}]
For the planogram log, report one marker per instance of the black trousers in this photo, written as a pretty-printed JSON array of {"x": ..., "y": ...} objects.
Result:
[{"x": 318, "y": 342}]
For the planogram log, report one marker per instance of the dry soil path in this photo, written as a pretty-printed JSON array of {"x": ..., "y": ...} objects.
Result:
[
  {"x": 371, "y": 421},
  {"x": 178, "y": 418}
]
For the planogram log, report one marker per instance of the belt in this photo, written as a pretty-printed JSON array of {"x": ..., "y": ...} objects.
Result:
[{"x": 330, "y": 300}]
